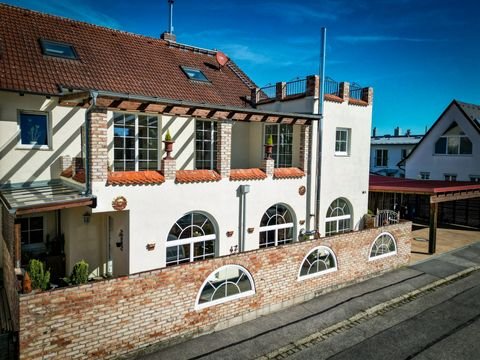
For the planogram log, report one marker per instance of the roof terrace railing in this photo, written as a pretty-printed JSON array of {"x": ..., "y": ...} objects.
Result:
[
  {"x": 296, "y": 87},
  {"x": 331, "y": 86},
  {"x": 267, "y": 92},
  {"x": 355, "y": 91}
]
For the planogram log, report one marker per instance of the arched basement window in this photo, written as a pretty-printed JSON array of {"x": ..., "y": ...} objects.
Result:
[
  {"x": 319, "y": 261},
  {"x": 384, "y": 245},
  {"x": 338, "y": 218},
  {"x": 191, "y": 238},
  {"x": 228, "y": 283},
  {"x": 276, "y": 226}
]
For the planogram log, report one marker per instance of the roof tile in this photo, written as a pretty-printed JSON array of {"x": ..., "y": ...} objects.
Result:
[
  {"x": 193, "y": 176},
  {"x": 148, "y": 177},
  {"x": 288, "y": 173},
  {"x": 109, "y": 60},
  {"x": 247, "y": 174}
]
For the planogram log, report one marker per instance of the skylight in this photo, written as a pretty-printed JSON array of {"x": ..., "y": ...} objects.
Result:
[
  {"x": 194, "y": 74},
  {"x": 58, "y": 49}
]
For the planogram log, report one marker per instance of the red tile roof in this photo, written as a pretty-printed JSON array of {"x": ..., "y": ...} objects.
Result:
[
  {"x": 288, "y": 173},
  {"x": 428, "y": 187},
  {"x": 68, "y": 172},
  {"x": 109, "y": 60},
  {"x": 247, "y": 174},
  {"x": 79, "y": 176},
  {"x": 333, "y": 98},
  {"x": 149, "y": 177},
  {"x": 192, "y": 176},
  {"x": 353, "y": 101}
]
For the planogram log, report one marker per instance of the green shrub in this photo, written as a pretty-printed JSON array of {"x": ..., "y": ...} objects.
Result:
[
  {"x": 39, "y": 276},
  {"x": 79, "y": 273},
  {"x": 168, "y": 137}
]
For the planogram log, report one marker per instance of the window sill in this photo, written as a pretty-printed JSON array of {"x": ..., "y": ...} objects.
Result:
[
  {"x": 33, "y": 147},
  {"x": 341, "y": 154}
]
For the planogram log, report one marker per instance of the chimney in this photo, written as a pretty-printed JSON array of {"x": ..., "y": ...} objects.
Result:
[
  {"x": 374, "y": 132},
  {"x": 397, "y": 131},
  {"x": 169, "y": 35},
  {"x": 408, "y": 132}
]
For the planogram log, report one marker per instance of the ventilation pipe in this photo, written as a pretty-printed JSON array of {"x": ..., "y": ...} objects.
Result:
[{"x": 168, "y": 35}]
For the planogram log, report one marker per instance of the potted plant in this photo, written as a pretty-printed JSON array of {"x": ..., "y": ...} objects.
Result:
[
  {"x": 40, "y": 278},
  {"x": 168, "y": 145},
  {"x": 269, "y": 147}
]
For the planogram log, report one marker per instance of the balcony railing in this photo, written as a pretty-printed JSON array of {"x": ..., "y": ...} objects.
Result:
[
  {"x": 355, "y": 91},
  {"x": 331, "y": 86},
  {"x": 267, "y": 92},
  {"x": 296, "y": 87}
]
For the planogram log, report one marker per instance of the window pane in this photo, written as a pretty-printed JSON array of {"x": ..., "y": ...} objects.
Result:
[
  {"x": 33, "y": 129},
  {"x": 441, "y": 146},
  {"x": 465, "y": 145},
  {"x": 453, "y": 145}
]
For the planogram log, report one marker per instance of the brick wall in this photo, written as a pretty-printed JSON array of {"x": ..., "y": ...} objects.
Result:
[
  {"x": 224, "y": 147},
  {"x": 98, "y": 166},
  {"x": 109, "y": 318},
  {"x": 9, "y": 278}
]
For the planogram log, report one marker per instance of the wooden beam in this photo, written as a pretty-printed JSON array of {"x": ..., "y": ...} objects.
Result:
[
  {"x": 453, "y": 196},
  {"x": 74, "y": 97},
  {"x": 432, "y": 234},
  {"x": 50, "y": 207}
]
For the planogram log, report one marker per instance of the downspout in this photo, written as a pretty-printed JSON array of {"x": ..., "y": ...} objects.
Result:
[
  {"x": 88, "y": 181},
  {"x": 319, "y": 127},
  {"x": 244, "y": 190}
]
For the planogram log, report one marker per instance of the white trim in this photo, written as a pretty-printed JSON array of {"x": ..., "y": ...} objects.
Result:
[
  {"x": 391, "y": 253},
  {"x": 191, "y": 240},
  {"x": 227, "y": 298},
  {"x": 49, "y": 130},
  {"x": 275, "y": 227},
  {"x": 319, "y": 273}
]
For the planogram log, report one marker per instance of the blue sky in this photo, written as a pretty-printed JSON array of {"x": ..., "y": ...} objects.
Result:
[{"x": 418, "y": 55}]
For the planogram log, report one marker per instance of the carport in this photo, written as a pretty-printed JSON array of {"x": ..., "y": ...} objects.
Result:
[{"x": 436, "y": 190}]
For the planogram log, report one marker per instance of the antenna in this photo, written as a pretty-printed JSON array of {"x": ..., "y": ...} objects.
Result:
[
  {"x": 221, "y": 58},
  {"x": 170, "y": 19}
]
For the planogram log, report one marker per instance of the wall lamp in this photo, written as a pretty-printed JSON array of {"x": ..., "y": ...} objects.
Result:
[{"x": 86, "y": 218}]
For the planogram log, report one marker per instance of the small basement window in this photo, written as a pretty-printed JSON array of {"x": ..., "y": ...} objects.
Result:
[
  {"x": 58, "y": 49},
  {"x": 194, "y": 74}
]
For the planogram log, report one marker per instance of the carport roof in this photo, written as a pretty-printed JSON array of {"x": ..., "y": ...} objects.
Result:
[
  {"x": 37, "y": 197},
  {"x": 424, "y": 187}
]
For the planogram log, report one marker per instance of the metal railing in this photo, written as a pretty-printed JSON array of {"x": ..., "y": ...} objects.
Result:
[
  {"x": 355, "y": 91},
  {"x": 267, "y": 92},
  {"x": 331, "y": 86},
  {"x": 386, "y": 217},
  {"x": 296, "y": 87}
]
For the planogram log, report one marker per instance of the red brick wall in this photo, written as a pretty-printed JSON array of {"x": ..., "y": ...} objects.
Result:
[{"x": 109, "y": 318}]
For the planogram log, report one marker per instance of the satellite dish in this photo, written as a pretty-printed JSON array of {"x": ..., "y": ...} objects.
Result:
[{"x": 221, "y": 58}]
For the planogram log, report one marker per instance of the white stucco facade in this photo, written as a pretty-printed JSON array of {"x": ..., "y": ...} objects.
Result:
[{"x": 424, "y": 158}]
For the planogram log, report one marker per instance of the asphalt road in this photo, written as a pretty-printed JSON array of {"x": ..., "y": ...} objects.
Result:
[{"x": 445, "y": 324}]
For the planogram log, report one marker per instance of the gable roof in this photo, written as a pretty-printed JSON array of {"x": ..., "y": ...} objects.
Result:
[
  {"x": 471, "y": 113},
  {"x": 109, "y": 60}
]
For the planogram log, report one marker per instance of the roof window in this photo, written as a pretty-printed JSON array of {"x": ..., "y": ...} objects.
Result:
[
  {"x": 194, "y": 74},
  {"x": 58, "y": 49}
]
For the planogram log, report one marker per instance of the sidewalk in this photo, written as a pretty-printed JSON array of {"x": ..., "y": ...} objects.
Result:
[{"x": 326, "y": 314}]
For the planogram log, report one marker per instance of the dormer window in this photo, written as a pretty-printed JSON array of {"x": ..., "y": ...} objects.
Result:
[
  {"x": 58, "y": 49},
  {"x": 194, "y": 74}
]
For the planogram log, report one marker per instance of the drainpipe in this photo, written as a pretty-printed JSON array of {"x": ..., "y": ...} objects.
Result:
[
  {"x": 93, "y": 103},
  {"x": 244, "y": 190},
  {"x": 319, "y": 127}
]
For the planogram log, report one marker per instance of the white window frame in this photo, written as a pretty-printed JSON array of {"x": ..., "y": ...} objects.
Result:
[
  {"x": 347, "y": 142},
  {"x": 277, "y": 227},
  {"x": 213, "y": 140},
  {"x": 21, "y": 146},
  {"x": 337, "y": 219},
  {"x": 318, "y": 273},
  {"x": 227, "y": 298},
  {"x": 137, "y": 140},
  {"x": 382, "y": 256},
  {"x": 192, "y": 240},
  {"x": 424, "y": 175},
  {"x": 448, "y": 139},
  {"x": 384, "y": 158},
  {"x": 474, "y": 178},
  {"x": 276, "y": 145},
  {"x": 450, "y": 177}
]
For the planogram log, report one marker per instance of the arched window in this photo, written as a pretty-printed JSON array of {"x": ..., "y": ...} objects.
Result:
[
  {"x": 227, "y": 283},
  {"x": 191, "y": 238},
  {"x": 338, "y": 217},
  {"x": 384, "y": 245},
  {"x": 276, "y": 227},
  {"x": 319, "y": 261}
]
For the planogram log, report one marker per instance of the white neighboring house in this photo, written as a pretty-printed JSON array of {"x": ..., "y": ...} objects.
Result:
[
  {"x": 386, "y": 151},
  {"x": 450, "y": 150}
]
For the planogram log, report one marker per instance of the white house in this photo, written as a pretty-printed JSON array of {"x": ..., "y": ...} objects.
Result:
[
  {"x": 386, "y": 151},
  {"x": 84, "y": 173},
  {"x": 450, "y": 150}
]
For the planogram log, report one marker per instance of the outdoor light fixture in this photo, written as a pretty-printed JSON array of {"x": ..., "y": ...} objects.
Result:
[
  {"x": 119, "y": 243},
  {"x": 86, "y": 217}
]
